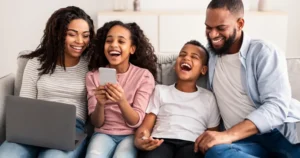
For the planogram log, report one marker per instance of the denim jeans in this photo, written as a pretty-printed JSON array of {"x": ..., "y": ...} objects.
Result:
[
  {"x": 272, "y": 144},
  {"x": 15, "y": 150},
  {"x": 107, "y": 146}
]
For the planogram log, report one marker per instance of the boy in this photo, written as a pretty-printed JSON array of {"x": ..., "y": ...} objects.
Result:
[{"x": 179, "y": 113}]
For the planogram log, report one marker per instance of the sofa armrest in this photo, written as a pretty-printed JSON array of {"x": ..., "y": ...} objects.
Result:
[{"x": 6, "y": 88}]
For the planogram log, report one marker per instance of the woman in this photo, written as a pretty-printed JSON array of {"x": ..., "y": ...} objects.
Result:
[{"x": 56, "y": 72}]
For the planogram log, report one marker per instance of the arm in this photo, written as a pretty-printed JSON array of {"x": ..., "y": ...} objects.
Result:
[
  {"x": 30, "y": 78},
  {"x": 275, "y": 95},
  {"x": 148, "y": 143},
  {"x": 95, "y": 108},
  {"x": 146, "y": 128},
  {"x": 134, "y": 114},
  {"x": 273, "y": 88}
]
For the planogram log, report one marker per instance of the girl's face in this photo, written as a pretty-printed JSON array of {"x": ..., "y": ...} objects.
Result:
[
  {"x": 77, "y": 38},
  {"x": 118, "y": 46}
]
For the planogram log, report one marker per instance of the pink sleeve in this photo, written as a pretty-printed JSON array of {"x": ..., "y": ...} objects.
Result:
[
  {"x": 90, "y": 86},
  {"x": 142, "y": 96}
]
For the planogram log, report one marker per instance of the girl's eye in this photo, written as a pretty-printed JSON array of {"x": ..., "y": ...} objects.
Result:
[{"x": 86, "y": 36}]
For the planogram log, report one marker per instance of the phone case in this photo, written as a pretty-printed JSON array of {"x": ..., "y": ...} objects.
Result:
[{"x": 107, "y": 75}]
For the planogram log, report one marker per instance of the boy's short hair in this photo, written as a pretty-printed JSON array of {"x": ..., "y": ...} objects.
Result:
[{"x": 197, "y": 43}]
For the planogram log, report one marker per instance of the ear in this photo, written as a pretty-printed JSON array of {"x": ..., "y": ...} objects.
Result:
[
  {"x": 132, "y": 49},
  {"x": 204, "y": 70},
  {"x": 240, "y": 23}
]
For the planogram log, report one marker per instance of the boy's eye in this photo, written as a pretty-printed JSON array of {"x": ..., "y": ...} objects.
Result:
[
  {"x": 195, "y": 57},
  {"x": 121, "y": 42}
]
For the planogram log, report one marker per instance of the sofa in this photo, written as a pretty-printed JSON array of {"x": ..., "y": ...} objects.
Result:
[{"x": 11, "y": 83}]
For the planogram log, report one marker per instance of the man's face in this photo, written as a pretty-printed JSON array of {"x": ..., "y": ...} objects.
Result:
[{"x": 221, "y": 30}]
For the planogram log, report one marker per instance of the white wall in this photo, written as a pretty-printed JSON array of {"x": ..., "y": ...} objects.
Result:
[{"x": 22, "y": 21}]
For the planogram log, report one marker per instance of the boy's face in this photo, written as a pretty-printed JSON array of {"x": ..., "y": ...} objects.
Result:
[{"x": 189, "y": 64}]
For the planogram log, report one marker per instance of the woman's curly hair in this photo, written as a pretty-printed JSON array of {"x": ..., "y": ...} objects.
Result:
[
  {"x": 52, "y": 46},
  {"x": 143, "y": 57}
]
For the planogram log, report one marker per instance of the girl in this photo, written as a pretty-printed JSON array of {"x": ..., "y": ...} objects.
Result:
[
  {"x": 116, "y": 110},
  {"x": 56, "y": 71}
]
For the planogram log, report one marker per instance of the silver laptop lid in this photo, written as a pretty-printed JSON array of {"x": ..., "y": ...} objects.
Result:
[{"x": 40, "y": 123}]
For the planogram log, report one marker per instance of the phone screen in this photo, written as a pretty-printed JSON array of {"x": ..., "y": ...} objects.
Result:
[{"x": 107, "y": 75}]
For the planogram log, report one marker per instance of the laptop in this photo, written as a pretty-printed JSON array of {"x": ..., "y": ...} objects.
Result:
[{"x": 41, "y": 123}]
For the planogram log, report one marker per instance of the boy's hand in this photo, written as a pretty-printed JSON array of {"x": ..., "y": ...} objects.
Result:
[
  {"x": 100, "y": 94},
  {"x": 115, "y": 93},
  {"x": 144, "y": 142}
]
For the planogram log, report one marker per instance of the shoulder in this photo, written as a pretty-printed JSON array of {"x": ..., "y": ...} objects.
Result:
[
  {"x": 90, "y": 74},
  {"x": 33, "y": 64},
  {"x": 141, "y": 73},
  {"x": 163, "y": 88},
  {"x": 261, "y": 48},
  {"x": 205, "y": 93}
]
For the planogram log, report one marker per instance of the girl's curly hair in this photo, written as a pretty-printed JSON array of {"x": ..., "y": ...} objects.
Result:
[
  {"x": 143, "y": 57},
  {"x": 52, "y": 46}
]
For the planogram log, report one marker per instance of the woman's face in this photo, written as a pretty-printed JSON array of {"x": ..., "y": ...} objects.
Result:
[{"x": 77, "y": 38}]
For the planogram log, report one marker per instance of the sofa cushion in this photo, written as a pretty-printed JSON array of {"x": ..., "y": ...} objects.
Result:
[
  {"x": 21, "y": 63},
  {"x": 294, "y": 75},
  {"x": 6, "y": 88}
]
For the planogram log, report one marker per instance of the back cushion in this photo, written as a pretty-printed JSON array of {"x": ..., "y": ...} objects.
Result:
[
  {"x": 21, "y": 63},
  {"x": 294, "y": 75}
]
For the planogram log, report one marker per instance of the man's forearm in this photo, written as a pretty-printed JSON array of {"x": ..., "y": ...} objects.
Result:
[{"x": 242, "y": 130}]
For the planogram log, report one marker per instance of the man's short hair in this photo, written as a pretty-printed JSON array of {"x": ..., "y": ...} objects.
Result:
[{"x": 236, "y": 7}]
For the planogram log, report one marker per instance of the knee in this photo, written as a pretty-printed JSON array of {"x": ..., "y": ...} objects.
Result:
[
  {"x": 125, "y": 154},
  {"x": 217, "y": 151}
]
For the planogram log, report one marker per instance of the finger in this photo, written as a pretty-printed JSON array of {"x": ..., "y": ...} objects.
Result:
[
  {"x": 110, "y": 98},
  {"x": 100, "y": 88},
  {"x": 203, "y": 145},
  {"x": 196, "y": 145},
  {"x": 154, "y": 146},
  {"x": 100, "y": 92},
  {"x": 116, "y": 87},
  {"x": 113, "y": 88},
  {"x": 113, "y": 94}
]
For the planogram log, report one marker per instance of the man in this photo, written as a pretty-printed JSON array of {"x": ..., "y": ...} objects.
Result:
[{"x": 250, "y": 81}]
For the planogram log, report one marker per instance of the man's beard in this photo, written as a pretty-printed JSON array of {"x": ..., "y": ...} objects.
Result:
[{"x": 225, "y": 48}]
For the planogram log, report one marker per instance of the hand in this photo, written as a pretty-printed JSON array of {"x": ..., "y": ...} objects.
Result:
[
  {"x": 100, "y": 94},
  {"x": 144, "y": 142},
  {"x": 211, "y": 138},
  {"x": 115, "y": 93}
]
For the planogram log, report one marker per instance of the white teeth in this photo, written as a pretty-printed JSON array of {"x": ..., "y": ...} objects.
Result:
[
  {"x": 216, "y": 40},
  {"x": 78, "y": 48},
  {"x": 114, "y": 53},
  {"x": 185, "y": 64}
]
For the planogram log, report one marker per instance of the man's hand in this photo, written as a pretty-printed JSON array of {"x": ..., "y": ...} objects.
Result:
[
  {"x": 144, "y": 142},
  {"x": 211, "y": 138}
]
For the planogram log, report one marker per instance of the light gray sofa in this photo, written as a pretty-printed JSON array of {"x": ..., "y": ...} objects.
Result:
[{"x": 10, "y": 84}]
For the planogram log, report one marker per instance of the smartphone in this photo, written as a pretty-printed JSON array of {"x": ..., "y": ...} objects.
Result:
[{"x": 107, "y": 75}]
